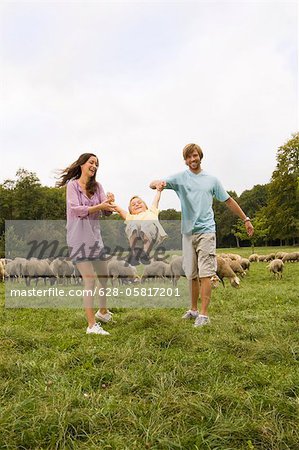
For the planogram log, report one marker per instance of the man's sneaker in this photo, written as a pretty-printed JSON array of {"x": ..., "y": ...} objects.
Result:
[
  {"x": 96, "y": 329},
  {"x": 107, "y": 317},
  {"x": 201, "y": 321},
  {"x": 190, "y": 314}
]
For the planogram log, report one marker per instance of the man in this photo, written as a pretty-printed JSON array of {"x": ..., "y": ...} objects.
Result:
[{"x": 196, "y": 189}]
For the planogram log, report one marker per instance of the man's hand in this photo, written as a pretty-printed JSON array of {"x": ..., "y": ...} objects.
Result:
[
  {"x": 249, "y": 228},
  {"x": 158, "y": 184}
]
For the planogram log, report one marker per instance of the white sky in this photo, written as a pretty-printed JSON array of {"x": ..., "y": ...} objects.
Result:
[{"x": 134, "y": 82}]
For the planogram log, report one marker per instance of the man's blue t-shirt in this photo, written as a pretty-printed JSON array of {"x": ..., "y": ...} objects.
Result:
[{"x": 196, "y": 192}]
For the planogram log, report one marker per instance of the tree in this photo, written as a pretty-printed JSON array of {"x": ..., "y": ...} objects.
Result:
[
  {"x": 251, "y": 201},
  {"x": 170, "y": 214},
  {"x": 261, "y": 230},
  {"x": 27, "y": 196},
  {"x": 6, "y": 203},
  {"x": 283, "y": 208}
]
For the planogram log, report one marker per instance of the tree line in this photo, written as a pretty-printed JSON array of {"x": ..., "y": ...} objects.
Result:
[{"x": 273, "y": 207}]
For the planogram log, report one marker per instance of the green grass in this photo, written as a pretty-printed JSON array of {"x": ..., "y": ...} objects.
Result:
[{"x": 156, "y": 382}]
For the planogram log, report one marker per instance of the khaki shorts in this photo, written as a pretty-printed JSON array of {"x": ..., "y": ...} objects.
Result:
[{"x": 199, "y": 255}]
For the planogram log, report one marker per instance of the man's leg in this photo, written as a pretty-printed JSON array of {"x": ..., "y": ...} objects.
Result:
[
  {"x": 194, "y": 293},
  {"x": 191, "y": 270},
  {"x": 205, "y": 294},
  {"x": 206, "y": 251}
]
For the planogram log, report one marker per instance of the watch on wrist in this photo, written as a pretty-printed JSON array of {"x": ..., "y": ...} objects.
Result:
[{"x": 247, "y": 219}]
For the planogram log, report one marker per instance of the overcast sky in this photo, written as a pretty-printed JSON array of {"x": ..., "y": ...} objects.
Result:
[{"x": 134, "y": 82}]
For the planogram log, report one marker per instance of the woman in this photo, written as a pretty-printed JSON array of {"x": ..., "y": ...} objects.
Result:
[{"x": 85, "y": 201}]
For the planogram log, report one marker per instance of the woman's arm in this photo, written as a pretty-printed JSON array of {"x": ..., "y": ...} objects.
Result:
[
  {"x": 80, "y": 210},
  {"x": 105, "y": 206},
  {"x": 106, "y": 202}
]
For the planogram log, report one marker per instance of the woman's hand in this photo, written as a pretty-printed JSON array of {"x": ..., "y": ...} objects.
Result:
[
  {"x": 110, "y": 197},
  {"x": 107, "y": 206}
]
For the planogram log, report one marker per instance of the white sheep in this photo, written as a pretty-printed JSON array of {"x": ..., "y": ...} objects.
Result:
[
  {"x": 225, "y": 271},
  {"x": 234, "y": 256},
  {"x": 276, "y": 267},
  {"x": 121, "y": 271},
  {"x": 236, "y": 266},
  {"x": 270, "y": 257},
  {"x": 176, "y": 269},
  {"x": 245, "y": 263},
  {"x": 262, "y": 258},
  {"x": 38, "y": 268},
  {"x": 62, "y": 269},
  {"x": 280, "y": 255},
  {"x": 16, "y": 268},
  {"x": 155, "y": 270},
  {"x": 291, "y": 257},
  {"x": 254, "y": 257},
  {"x": 3, "y": 273}
]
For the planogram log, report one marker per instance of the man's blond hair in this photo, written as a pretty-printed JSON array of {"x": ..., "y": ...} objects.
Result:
[{"x": 189, "y": 149}]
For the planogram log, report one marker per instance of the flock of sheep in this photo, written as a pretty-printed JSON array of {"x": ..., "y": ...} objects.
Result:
[{"x": 60, "y": 270}]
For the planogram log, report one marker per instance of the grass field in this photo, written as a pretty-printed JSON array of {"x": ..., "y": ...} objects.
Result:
[{"x": 157, "y": 382}]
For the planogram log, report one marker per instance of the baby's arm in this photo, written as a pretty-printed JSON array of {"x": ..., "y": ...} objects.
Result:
[
  {"x": 123, "y": 214},
  {"x": 157, "y": 199}
]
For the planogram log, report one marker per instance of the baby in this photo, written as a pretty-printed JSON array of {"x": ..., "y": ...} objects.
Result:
[{"x": 142, "y": 223}]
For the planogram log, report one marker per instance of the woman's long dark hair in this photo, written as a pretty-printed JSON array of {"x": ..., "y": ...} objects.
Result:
[{"x": 73, "y": 172}]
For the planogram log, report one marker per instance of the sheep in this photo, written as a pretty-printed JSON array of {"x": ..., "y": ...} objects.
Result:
[
  {"x": 270, "y": 257},
  {"x": 223, "y": 255},
  {"x": 122, "y": 271},
  {"x": 62, "y": 269},
  {"x": 156, "y": 269},
  {"x": 262, "y": 258},
  {"x": 291, "y": 257},
  {"x": 280, "y": 255},
  {"x": 236, "y": 267},
  {"x": 3, "y": 273},
  {"x": 215, "y": 280},
  {"x": 245, "y": 263},
  {"x": 225, "y": 271},
  {"x": 168, "y": 274},
  {"x": 176, "y": 269},
  {"x": 234, "y": 256},
  {"x": 15, "y": 268},
  {"x": 77, "y": 275},
  {"x": 276, "y": 267},
  {"x": 254, "y": 257},
  {"x": 38, "y": 268}
]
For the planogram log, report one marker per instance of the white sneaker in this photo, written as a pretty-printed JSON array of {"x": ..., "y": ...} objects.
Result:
[
  {"x": 190, "y": 314},
  {"x": 104, "y": 317},
  {"x": 201, "y": 321},
  {"x": 96, "y": 329}
]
